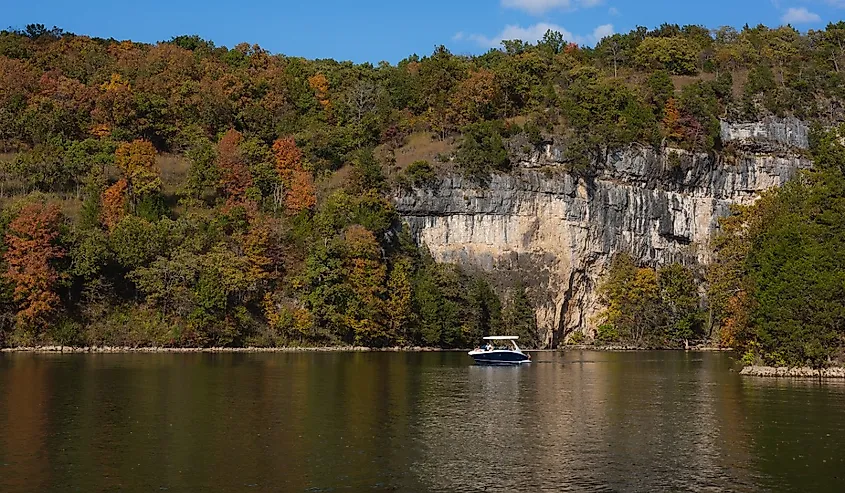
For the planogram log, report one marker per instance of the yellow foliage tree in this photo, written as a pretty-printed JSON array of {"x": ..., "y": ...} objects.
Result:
[{"x": 137, "y": 161}]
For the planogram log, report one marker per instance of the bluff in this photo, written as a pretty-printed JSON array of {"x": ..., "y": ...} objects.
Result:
[{"x": 557, "y": 232}]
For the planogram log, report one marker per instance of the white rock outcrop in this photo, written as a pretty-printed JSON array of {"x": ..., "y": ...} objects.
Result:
[{"x": 558, "y": 232}]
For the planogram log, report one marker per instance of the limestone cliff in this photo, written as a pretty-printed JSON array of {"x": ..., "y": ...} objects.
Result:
[{"x": 558, "y": 232}]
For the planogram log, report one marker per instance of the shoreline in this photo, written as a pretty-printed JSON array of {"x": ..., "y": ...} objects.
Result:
[
  {"x": 159, "y": 350},
  {"x": 321, "y": 349},
  {"x": 796, "y": 372}
]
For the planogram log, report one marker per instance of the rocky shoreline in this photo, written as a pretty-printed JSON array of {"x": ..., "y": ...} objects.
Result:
[
  {"x": 129, "y": 349},
  {"x": 797, "y": 372},
  {"x": 623, "y": 348},
  {"x": 322, "y": 349}
]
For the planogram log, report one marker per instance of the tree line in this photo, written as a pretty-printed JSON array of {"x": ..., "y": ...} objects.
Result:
[{"x": 280, "y": 231}]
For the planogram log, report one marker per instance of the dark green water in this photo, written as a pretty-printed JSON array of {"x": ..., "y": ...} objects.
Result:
[{"x": 577, "y": 421}]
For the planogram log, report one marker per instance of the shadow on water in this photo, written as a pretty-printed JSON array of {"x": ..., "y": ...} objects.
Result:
[{"x": 569, "y": 421}]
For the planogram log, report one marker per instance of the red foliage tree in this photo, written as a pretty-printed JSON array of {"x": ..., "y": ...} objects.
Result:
[
  {"x": 31, "y": 250},
  {"x": 235, "y": 178}
]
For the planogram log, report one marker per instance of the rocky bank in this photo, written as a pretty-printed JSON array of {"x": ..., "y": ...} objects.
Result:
[{"x": 557, "y": 232}]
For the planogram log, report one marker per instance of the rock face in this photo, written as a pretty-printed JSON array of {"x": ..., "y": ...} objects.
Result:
[
  {"x": 557, "y": 232},
  {"x": 789, "y": 132}
]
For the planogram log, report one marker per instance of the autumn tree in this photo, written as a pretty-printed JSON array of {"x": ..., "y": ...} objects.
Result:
[
  {"x": 320, "y": 85},
  {"x": 113, "y": 204},
  {"x": 32, "y": 249},
  {"x": 137, "y": 162},
  {"x": 235, "y": 178},
  {"x": 367, "y": 276},
  {"x": 115, "y": 107},
  {"x": 296, "y": 183},
  {"x": 672, "y": 129},
  {"x": 474, "y": 98}
]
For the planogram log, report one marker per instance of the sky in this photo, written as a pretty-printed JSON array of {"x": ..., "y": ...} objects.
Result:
[{"x": 372, "y": 31}]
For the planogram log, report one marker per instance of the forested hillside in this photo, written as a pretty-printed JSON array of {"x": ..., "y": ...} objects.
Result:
[{"x": 187, "y": 194}]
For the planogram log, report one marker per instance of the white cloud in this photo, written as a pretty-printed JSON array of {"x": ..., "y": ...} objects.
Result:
[
  {"x": 799, "y": 16},
  {"x": 537, "y": 7},
  {"x": 613, "y": 11},
  {"x": 532, "y": 34},
  {"x": 601, "y": 32},
  {"x": 459, "y": 36}
]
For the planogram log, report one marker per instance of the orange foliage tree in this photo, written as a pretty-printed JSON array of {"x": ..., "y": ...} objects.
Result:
[
  {"x": 474, "y": 98},
  {"x": 320, "y": 85},
  {"x": 672, "y": 128},
  {"x": 31, "y": 250},
  {"x": 300, "y": 193},
  {"x": 288, "y": 157},
  {"x": 113, "y": 200}
]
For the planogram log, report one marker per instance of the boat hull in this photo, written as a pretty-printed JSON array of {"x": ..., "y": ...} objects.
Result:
[{"x": 499, "y": 357}]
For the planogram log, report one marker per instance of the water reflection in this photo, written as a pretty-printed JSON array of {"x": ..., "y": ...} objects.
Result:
[{"x": 412, "y": 422}]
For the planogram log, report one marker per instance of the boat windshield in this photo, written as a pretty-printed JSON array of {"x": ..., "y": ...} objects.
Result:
[{"x": 500, "y": 345}]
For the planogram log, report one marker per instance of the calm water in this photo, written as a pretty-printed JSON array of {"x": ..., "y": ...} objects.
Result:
[{"x": 577, "y": 421}]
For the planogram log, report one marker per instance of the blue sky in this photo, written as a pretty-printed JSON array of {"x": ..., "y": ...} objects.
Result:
[{"x": 371, "y": 30}]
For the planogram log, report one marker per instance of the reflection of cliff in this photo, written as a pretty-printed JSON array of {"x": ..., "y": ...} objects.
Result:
[
  {"x": 474, "y": 423},
  {"x": 585, "y": 421},
  {"x": 558, "y": 231}
]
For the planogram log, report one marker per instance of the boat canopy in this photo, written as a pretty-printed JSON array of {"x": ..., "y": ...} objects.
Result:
[{"x": 501, "y": 338}]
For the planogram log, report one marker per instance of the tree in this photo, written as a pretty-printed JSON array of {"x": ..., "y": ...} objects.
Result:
[
  {"x": 235, "y": 178},
  {"x": 113, "y": 204},
  {"x": 203, "y": 175},
  {"x": 518, "y": 318},
  {"x": 288, "y": 157},
  {"x": 298, "y": 185},
  {"x": 301, "y": 195},
  {"x": 615, "y": 47},
  {"x": 680, "y": 300},
  {"x": 474, "y": 98},
  {"x": 32, "y": 249},
  {"x": 672, "y": 129},
  {"x": 399, "y": 303},
  {"x": 366, "y": 275},
  {"x": 650, "y": 307},
  {"x": 673, "y": 54},
  {"x": 320, "y": 85},
  {"x": 137, "y": 161},
  {"x": 482, "y": 150}
]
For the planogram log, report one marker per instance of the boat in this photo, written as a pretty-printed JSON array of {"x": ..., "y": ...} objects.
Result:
[{"x": 508, "y": 355}]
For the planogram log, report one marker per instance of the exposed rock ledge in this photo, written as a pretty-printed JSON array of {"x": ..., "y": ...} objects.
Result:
[{"x": 798, "y": 372}]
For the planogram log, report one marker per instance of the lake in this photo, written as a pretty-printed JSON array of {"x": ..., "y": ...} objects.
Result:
[{"x": 571, "y": 421}]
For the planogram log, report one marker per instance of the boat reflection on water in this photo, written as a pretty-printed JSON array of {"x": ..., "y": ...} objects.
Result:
[{"x": 502, "y": 355}]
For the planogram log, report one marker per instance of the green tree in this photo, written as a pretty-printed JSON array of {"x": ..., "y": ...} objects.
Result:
[
  {"x": 482, "y": 150},
  {"x": 673, "y": 54}
]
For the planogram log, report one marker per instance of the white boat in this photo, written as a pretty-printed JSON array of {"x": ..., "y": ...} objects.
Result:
[{"x": 492, "y": 355}]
